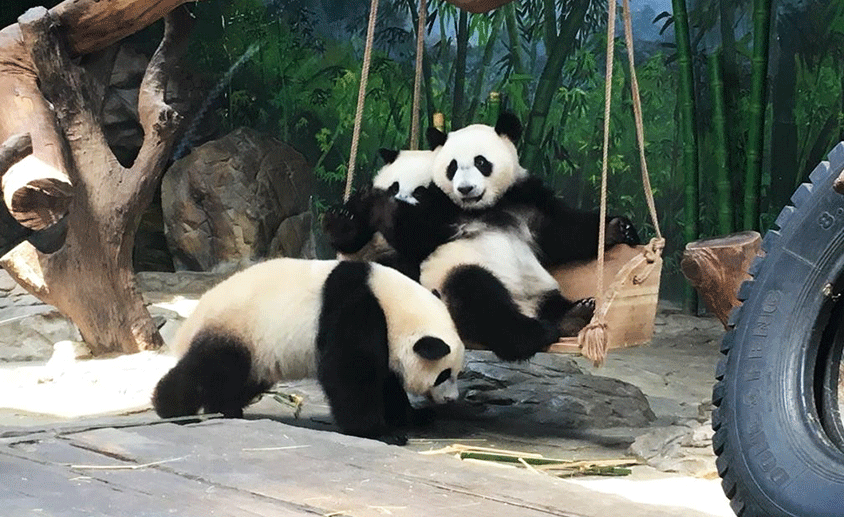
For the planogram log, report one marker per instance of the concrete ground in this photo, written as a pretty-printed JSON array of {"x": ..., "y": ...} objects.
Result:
[{"x": 78, "y": 438}]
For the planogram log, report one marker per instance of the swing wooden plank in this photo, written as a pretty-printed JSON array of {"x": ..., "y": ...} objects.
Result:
[{"x": 631, "y": 288}]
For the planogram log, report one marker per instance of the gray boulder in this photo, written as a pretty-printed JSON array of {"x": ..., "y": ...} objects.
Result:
[{"x": 227, "y": 199}]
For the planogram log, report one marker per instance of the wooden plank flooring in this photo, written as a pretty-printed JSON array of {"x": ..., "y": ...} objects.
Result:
[{"x": 265, "y": 468}]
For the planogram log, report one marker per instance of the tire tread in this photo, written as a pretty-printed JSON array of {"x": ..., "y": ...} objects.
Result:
[{"x": 741, "y": 498}]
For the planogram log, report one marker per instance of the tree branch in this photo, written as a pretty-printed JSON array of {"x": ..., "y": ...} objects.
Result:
[
  {"x": 157, "y": 118},
  {"x": 96, "y": 25},
  {"x": 62, "y": 83}
]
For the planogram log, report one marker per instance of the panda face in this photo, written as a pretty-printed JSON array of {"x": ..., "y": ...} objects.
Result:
[
  {"x": 425, "y": 349},
  {"x": 404, "y": 172},
  {"x": 476, "y": 165},
  {"x": 444, "y": 387}
]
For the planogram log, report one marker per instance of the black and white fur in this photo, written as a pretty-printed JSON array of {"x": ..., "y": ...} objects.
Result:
[
  {"x": 365, "y": 331},
  {"x": 485, "y": 236},
  {"x": 352, "y": 228}
]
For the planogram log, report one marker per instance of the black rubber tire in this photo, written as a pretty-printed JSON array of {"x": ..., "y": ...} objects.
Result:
[{"x": 778, "y": 434}]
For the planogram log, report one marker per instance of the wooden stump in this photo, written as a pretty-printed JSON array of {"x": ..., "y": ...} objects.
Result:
[{"x": 717, "y": 267}]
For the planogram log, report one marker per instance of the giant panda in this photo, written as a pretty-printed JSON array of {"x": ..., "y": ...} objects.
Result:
[
  {"x": 485, "y": 235},
  {"x": 365, "y": 331},
  {"x": 352, "y": 228}
]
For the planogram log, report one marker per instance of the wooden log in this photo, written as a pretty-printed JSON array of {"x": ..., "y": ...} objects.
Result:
[
  {"x": 716, "y": 267},
  {"x": 37, "y": 200},
  {"x": 478, "y": 6},
  {"x": 36, "y": 194},
  {"x": 14, "y": 149},
  {"x": 95, "y": 25}
]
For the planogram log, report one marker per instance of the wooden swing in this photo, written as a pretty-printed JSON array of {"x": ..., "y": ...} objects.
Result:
[{"x": 625, "y": 280}]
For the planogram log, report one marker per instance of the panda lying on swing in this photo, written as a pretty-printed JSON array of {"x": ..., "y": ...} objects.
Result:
[{"x": 483, "y": 233}]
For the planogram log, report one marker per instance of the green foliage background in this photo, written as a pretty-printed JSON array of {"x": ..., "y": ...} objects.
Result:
[{"x": 301, "y": 85}]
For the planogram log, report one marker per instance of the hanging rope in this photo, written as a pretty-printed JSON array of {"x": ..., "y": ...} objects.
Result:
[
  {"x": 417, "y": 78},
  {"x": 637, "y": 115},
  {"x": 592, "y": 339},
  {"x": 364, "y": 77}
]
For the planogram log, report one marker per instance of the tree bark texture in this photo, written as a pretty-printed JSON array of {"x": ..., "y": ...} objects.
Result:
[
  {"x": 717, "y": 267},
  {"x": 90, "y": 279}
]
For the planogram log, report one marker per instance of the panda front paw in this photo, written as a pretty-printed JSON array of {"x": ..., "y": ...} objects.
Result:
[
  {"x": 577, "y": 317},
  {"x": 620, "y": 230},
  {"x": 340, "y": 226}
]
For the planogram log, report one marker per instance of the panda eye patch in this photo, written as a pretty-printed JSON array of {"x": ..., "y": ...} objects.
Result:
[
  {"x": 451, "y": 170},
  {"x": 394, "y": 189},
  {"x": 483, "y": 165},
  {"x": 444, "y": 376}
]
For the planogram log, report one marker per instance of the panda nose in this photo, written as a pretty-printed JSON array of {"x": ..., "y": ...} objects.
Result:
[{"x": 465, "y": 189}]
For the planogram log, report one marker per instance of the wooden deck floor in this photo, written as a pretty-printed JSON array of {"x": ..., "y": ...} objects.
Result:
[{"x": 266, "y": 468}]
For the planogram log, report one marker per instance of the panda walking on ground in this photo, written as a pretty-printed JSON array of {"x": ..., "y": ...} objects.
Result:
[
  {"x": 485, "y": 234},
  {"x": 368, "y": 333}
]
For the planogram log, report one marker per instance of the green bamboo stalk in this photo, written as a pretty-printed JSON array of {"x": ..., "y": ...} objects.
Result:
[
  {"x": 513, "y": 36},
  {"x": 688, "y": 131},
  {"x": 483, "y": 66},
  {"x": 756, "y": 112},
  {"x": 458, "y": 111},
  {"x": 549, "y": 23},
  {"x": 719, "y": 132},
  {"x": 548, "y": 82}
]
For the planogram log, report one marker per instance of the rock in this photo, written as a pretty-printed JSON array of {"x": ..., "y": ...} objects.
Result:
[
  {"x": 31, "y": 338},
  {"x": 295, "y": 238},
  {"x": 227, "y": 199},
  {"x": 685, "y": 449},
  {"x": 552, "y": 391}
]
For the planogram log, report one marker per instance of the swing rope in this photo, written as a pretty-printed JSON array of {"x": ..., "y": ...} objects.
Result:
[
  {"x": 364, "y": 77},
  {"x": 592, "y": 338},
  {"x": 417, "y": 78}
]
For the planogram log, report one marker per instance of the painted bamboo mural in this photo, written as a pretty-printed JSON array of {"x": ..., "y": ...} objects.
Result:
[
  {"x": 458, "y": 112},
  {"x": 548, "y": 83},
  {"x": 756, "y": 112},
  {"x": 513, "y": 37},
  {"x": 688, "y": 133},
  {"x": 723, "y": 197}
]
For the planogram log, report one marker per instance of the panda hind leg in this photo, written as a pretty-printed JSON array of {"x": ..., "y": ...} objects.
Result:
[
  {"x": 569, "y": 317},
  {"x": 484, "y": 313},
  {"x": 221, "y": 368}
]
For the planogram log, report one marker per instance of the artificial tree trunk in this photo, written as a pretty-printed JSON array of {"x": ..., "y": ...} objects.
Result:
[{"x": 90, "y": 279}]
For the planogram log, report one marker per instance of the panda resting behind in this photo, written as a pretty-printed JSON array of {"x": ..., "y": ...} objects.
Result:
[
  {"x": 486, "y": 233},
  {"x": 352, "y": 228},
  {"x": 365, "y": 331}
]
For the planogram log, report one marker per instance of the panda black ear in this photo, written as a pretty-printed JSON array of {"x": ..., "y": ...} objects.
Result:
[
  {"x": 435, "y": 137},
  {"x": 388, "y": 155},
  {"x": 508, "y": 125},
  {"x": 431, "y": 348}
]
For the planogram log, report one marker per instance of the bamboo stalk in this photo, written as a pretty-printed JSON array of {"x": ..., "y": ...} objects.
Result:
[
  {"x": 688, "y": 125},
  {"x": 719, "y": 131},
  {"x": 756, "y": 112}
]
